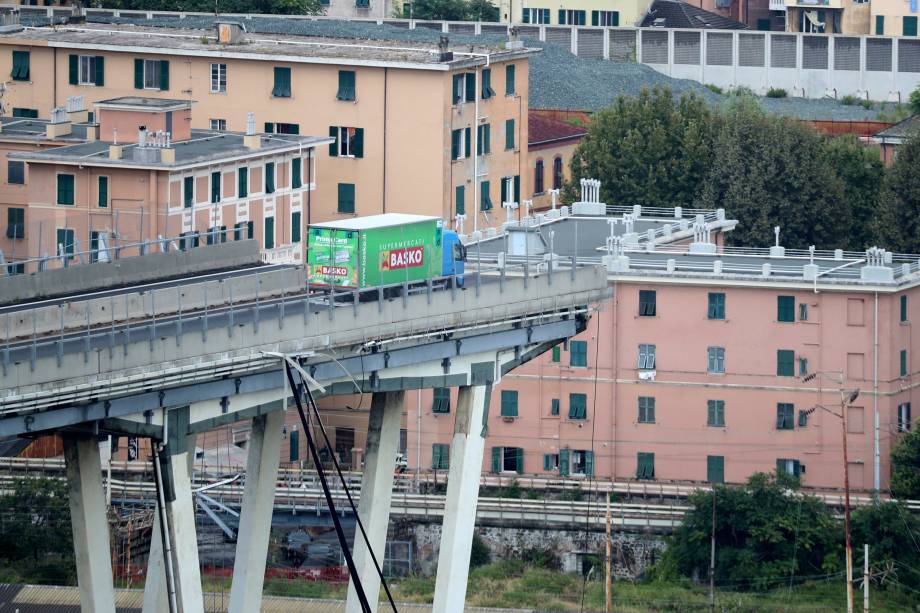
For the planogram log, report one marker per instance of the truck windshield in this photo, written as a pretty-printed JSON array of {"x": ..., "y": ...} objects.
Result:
[{"x": 459, "y": 252}]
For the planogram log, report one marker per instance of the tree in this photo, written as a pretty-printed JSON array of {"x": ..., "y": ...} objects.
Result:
[
  {"x": 905, "y": 466},
  {"x": 892, "y": 533},
  {"x": 861, "y": 170},
  {"x": 274, "y": 7},
  {"x": 914, "y": 101},
  {"x": 455, "y": 10},
  {"x": 897, "y": 225},
  {"x": 653, "y": 150},
  {"x": 766, "y": 532},
  {"x": 35, "y": 536}
]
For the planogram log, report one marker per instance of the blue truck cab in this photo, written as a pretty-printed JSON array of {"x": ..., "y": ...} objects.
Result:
[{"x": 453, "y": 256}]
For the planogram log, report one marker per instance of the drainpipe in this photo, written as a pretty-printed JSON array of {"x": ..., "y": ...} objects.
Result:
[
  {"x": 876, "y": 451},
  {"x": 475, "y": 135}
]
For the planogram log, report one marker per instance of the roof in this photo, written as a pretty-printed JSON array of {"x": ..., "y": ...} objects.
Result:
[
  {"x": 375, "y": 221},
  {"x": 205, "y": 147},
  {"x": 143, "y": 103},
  {"x": 547, "y": 131},
  {"x": 34, "y": 130},
  {"x": 676, "y": 14},
  {"x": 185, "y": 42},
  {"x": 898, "y": 133}
]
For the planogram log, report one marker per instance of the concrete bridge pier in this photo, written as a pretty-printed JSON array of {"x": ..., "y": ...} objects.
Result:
[
  {"x": 376, "y": 492},
  {"x": 256, "y": 515},
  {"x": 90, "y": 523},
  {"x": 466, "y": 453}
]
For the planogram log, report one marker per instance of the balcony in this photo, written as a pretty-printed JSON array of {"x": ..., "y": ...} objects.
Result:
[
  {"x": 287, "y": 254},
  {"x": 824, "y": 4},
  {"x": 777, "y": 5}
]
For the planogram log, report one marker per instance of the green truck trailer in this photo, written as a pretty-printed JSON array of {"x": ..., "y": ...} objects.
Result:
[{"x": 381, "y": 250}]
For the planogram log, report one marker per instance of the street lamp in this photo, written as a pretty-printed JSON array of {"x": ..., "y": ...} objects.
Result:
[{"x": 847, "y": 397}]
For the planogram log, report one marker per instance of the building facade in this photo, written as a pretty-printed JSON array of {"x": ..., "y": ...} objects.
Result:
[
  {"x": 549, "y": 153},
  {"x": 894, "y": 18},
  {"x": 828, "y": 16},
  {"x": 581, "y": 13}
]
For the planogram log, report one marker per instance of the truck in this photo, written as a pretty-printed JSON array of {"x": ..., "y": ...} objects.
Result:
[{"x": 392, "y": 248}]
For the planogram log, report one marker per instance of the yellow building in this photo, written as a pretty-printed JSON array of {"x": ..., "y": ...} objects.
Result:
[
  {"x": 406, "y": 119},
  {"x": 894, "y": 17},
  {"x": 828, "y": 16},
  {"x": 580, "y": 13}
]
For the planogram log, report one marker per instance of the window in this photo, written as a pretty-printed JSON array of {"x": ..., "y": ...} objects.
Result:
[
  {"x": 904, "y": 417},
  {"x": 346, "y": 198},
  {"x": 715, "y": 413},
  {"x": 20, "y": 70},
  {"x": 242, "y": 227},
  {"x": 880, "y": 25},
  {"x": 803, "y": 367},
  {"x": 295, "y": 227},
  {"x": 557, "y": 173},
  {"x": 281, "y": 128},
  {"x": 269, "y": 177},
  {"x": 645, "y": 465},
  {"x": 803, "y": 311},
  {"x": 16, "y": 173},
  {"x": 294, "y": 446},
  {"x": 484, "y": 139},
  {"x": 605, "y": 18},
  {"x": 789, "y": 467},
  {"x": 441, "y": 400},
  {"x": 362, "y": 4},
  {"x": 716, "y": 308},
  {"x": 647, "y": 302},
  {"x": 296, "y": 166},
  {"x": 218, "y": 78},
  {"x": 188, "y": 192},
  {"x": 151, "y": 74},
  {"x": 485, "y": 198},
  {"x": 215, "y": 187},
  {"x": 65, "y": 242},
  {"x": 571, "y": 17},
  {"x": 509, "y": 134},
  {"x": 538, "y": 173},
  {"x": 509, "y": 79},
  {"x": 785, "y": 412},
  {"x": 557, "y": 354},
  {"x": 550, "y": 460},
  {"x": 803, "y": 417},
  {"x": 347, "y": 90},
  {"x": 903, "y": 363},
  {"x": 460, "y": 143},
  {"x": 25, "y": 113},
  {"x": 15, "y": 222},
  {"x": 509, "y": 403},
  {"x": 785, "y": 363},
  {"x": 93, "y": 245},
  {"x": 539, "y": 16},
  {"x": 440, "y": 456},
  {"x": 716, "y": 360},
  {"x": 460, "y": 199},
  {"x": 269, "y": 225},
  {"x": 903, "y": 308},
  {"x": 646, "y": 410},
  {"x": 785, "y": 308},
  {"x": 242, "y": 182},
  {"x": 86, "y": 70},
  {"x": 578, "y": 353},
  {"x": 486, "y": 90},
  {"x": 219, "y": 125},
  {"x": 554, "y": 407},
  {"x": 216, "y": 234},
  {"x": 459, "y": 83},
  {"x": 103, "y": 191},
  {"x": 646, "y": 357},
  {"x": 715, "y": 469},
  {"x": 65, "y": 193},
  {"x": 282, "y": 86},
  {"x": 349, "y": 142},
  {"x": 910, "y": 25},
  {"x": 507, "y": 459},
  {"x": 578, "y": 406}
]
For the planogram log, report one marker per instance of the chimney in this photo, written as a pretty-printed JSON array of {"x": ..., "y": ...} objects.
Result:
[
  {"x": 251, "y": 140},
  {"x": 116, "y": 152},
  {"x": 76, "y": 109},
  {"x": 229, "y": 32},
  {"x": 513, "y": 41},
  {"x": 444, "y": 54},
  {"x": 60, "y": 123}
]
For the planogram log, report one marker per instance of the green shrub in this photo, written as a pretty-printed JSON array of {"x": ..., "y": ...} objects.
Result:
[
  {"x": 714, "y": 88},
  {"x": 849, "y": 100},
  {"x": 866, "y": 104},
  {"x": 480, "y": 554},
  {"x": 777, "y": 92}
]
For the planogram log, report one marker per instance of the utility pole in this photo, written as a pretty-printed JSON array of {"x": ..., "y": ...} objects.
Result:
[
  {"x": 866, "y": 578},
  {"x": 846, "y": 500},
  {"x": 608, "y": 581},
  {"x": 712, "y": 557}
]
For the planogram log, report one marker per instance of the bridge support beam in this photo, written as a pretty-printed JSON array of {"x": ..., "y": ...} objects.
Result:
[
  {"x": 90, "y": 523},
  {"x": 376, "y": 493},
  {"x": 256, "y": 515},
  {"x": 156, "y": 597},
  {"x": 466, "y": 452}
]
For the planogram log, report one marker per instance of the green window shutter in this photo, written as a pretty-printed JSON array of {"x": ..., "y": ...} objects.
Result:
[
  {"x": 616, "y": 18},
  {"x": 441, "y": 400},
  {"x": 785, "y": 308},
  {"x": 296, "y": 165},
  {"x": 334, "y": 145},
  {"x": 517, "y": 188},
  {"x": 589, "y": 463},
  {"x": 594, "y": 18},
  {"x": 357, "y": 143},
  {"x": 458, "y": 88},
  {"x": 65, "y": 243},
  {"x": 487, "y": 91},
  {"x": 554, "y": 406},
  {"x": 903, "y": 308},
  {"x": 910, "y": 25},
  {"x": 215, "y": 187},
  {"x": 578, "y": 353},
  {"x": 346, "y": 85},
  {"x": 715, "y": 469},
  {"x": 15, "y": 222},
  {"x": 440, "y": 456},
  {"x": 468, "y": 144},
  {"x": 269, "y": 242},
  {"x": 716, "y": 305},
  {"x": 562, "y": 17},
  {"x": 578, "y": 406},
  {"x": 93, "y": 246},
  {"x": 903, "y": 361},
  {"x": 65, "y": 189},
  {"x": 188, "y": 192},
  {"x": 509, "y": 134},
  {"x": 648, "y": 303},
  {"x": 509, "y": 80},
  {"x": 250, "y": 229},
  {"x": 547, "y": 461},
  {"x": 138, "y": 73},
  {"x": 471, "y": 87},
  {"x": 103, "y": 192},
  {"x": 785, "y": 363},
  {"x": 295, "y": 227},
  {"x": 879, "y": 25},
  {"x": 645, "y": 465},
  {"x": 21, "y": 61},
  {"x": 269, "y": 177},
  {"x": 557, "y": 353},
  {"x": 99, "y": 77},
  {"x": 74, "y": 69},
  {"x": 460, "y": 200},
  {"x": 784, "y": 416},
  {"x": 509, "y": 403},
  {"x": 346, "y": 198},
  {"x": 496, "y": 459},
  {"x": 485, "y": 199},
  {"x": 564, "y": 462},
  {"x": 519, "y": 461},
  {"x": 294, "y": 446},
  {"x": 282, "y": 87},
  {"x": 455, "y": 144},
  {"x": 164, "y": 75},
  {"x": 242, "y": 183},
  {"x": 487, "y": 138},
  {"x": 269, "y": 127}
]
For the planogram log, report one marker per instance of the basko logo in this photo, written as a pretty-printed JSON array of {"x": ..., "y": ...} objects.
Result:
[
  {"x": 403, "y": 258},
  {"x": 336, "y": 271}
]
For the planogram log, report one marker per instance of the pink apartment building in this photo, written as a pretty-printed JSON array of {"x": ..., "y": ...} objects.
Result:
[{"x": 693, "y": 370}]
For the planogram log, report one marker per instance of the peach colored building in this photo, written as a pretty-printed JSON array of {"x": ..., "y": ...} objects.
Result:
[
  {"x": 406, "y": 119},
  {"x": 693, "y": 370},
  {"x": 549, "y": 153}
]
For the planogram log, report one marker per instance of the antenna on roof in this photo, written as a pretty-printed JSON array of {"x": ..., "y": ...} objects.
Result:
[{"x": 250, "y": 123}]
